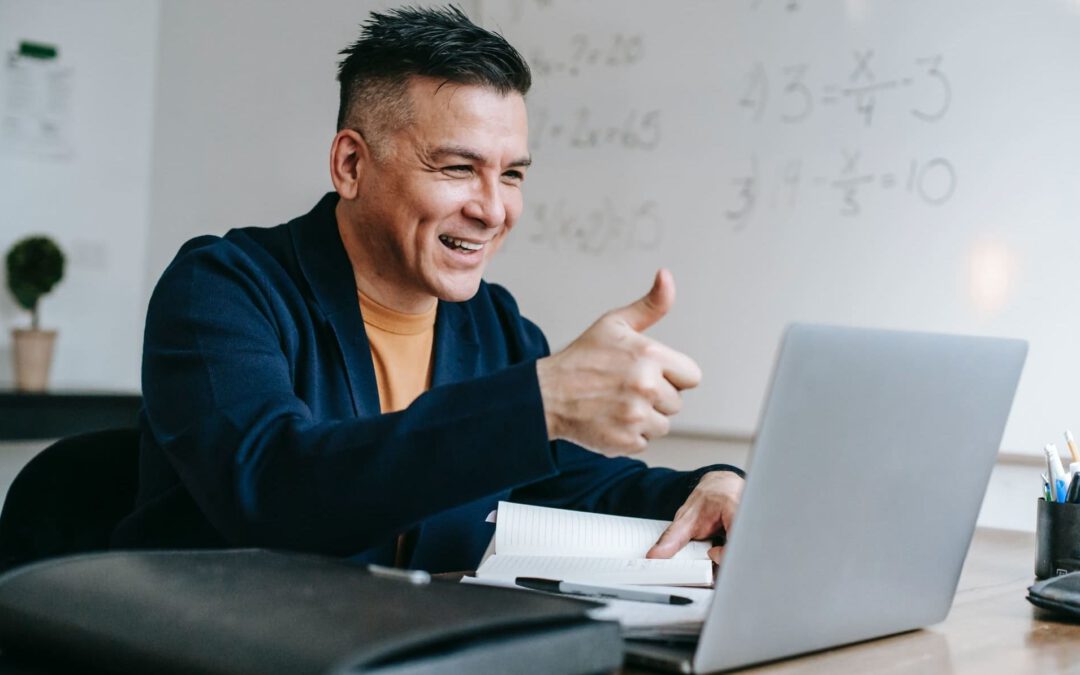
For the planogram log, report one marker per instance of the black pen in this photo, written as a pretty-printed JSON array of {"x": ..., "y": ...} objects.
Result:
[
  {"x": 1073, "y": 495},
  {"x": 586, "y": 590}
]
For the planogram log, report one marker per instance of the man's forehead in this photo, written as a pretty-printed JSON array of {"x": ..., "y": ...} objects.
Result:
[{"x": 469, "y": 121}]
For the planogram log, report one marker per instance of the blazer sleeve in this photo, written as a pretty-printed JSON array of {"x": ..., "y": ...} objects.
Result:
[
  {"x": 265, "y": 469},
  {"x": 589, "y": 481}
]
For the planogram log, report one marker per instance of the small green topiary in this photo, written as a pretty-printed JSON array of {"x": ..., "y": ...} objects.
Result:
[{"x": 34, "y": 266}]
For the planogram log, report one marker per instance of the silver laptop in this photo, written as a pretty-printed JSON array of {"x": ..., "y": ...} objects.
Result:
[{"x": 866, "y": 477}]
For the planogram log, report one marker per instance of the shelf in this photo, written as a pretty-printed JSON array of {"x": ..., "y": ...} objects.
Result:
[{"x": 54, "y": 414}]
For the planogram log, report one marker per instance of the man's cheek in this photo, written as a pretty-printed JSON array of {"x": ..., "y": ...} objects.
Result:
[{"x": 497, "y": 242}]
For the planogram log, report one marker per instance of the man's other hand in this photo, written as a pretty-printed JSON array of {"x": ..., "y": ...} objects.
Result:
[
  {"x": 707, "y": 512},
  {"x": 614, "y": 389}
]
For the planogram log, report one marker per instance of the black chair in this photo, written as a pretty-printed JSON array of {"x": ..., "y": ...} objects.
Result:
[{"x": 69, "y": 497}]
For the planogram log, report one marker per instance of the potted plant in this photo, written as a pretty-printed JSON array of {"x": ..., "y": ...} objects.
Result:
[{"x": 34, "y": 266}]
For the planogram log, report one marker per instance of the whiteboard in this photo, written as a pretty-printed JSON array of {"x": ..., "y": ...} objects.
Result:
[{"x": 907, "y": 164}]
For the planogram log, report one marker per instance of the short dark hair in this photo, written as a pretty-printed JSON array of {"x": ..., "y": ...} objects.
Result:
[{"x": 409, "y": 41}]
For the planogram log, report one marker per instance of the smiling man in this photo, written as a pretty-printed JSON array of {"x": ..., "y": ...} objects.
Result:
[{"x": 347, "y": 383}]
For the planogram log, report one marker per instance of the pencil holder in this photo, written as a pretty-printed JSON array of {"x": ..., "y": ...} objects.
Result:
[{"x": 1057, "y": 539}]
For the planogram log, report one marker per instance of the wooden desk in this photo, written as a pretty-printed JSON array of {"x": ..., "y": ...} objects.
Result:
[{"x": 992, "y": 628}]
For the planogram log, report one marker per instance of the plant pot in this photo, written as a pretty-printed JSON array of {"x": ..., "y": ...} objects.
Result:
[{"x": 33, "y": 355}]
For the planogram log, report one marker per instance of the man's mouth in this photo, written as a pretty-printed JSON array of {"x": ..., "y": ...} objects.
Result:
[{"x": 460, "y": 244}]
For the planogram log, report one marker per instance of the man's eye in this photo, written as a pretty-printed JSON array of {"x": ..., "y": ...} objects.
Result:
[
  {"x": 460, "y": 170},
  {"x": 514, "y": 176}
]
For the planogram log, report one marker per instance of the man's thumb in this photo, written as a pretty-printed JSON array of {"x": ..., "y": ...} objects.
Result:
[{"x": 649, "y": 309}]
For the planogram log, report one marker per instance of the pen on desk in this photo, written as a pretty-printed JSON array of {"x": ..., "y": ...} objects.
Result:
[
  {"x": 589, "y": 591},
  {"x": 1063, "y": 476},
  {"x": 1049, "y": 476},
  {"x": 415, "y": 577},
  {"x": 1057, "y": 472},
  {"x": 1071, "y": 442},
  {"x": 1073, "y": 495}
]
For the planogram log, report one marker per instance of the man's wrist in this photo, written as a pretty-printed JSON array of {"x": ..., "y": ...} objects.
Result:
[
  {"x": 545, "y": 377},
  {"x": 698, "y": 474}
]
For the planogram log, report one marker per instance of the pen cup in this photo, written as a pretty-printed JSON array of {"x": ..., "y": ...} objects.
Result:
[{"x": 1057, "y": 539}]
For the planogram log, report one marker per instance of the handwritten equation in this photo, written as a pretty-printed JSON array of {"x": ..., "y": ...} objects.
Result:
[
  {"x": 932, "y": 181},
  {"x": 520, "y": 8},
  {"x": 635, "y": 130},
  {"x": 600, "y": 230},
  {"x": 789, "y": 95},
  {"x": 586, "y": 52}
]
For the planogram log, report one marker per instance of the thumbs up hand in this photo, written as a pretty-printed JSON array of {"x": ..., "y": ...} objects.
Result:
[{"x": 613, "y": 389}]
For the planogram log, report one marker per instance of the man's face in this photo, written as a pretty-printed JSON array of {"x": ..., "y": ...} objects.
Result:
[{"x": 442, "y": 194}]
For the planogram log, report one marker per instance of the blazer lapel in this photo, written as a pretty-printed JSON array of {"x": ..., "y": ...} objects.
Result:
[
  {"x": 456, "y": 348},
  {"x": 326, "y": 267}
]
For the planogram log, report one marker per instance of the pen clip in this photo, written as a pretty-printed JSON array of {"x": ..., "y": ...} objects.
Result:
[{"x": 415, "y": 577}]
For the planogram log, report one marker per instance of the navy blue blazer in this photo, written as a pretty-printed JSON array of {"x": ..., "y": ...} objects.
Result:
[{"x": 261, "y": 423}]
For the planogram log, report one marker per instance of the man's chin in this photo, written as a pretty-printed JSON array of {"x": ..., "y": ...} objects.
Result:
[{"x": 460, "y": 292}]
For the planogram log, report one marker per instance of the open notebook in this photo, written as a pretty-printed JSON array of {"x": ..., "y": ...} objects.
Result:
[{"x": 536, "y": 541}]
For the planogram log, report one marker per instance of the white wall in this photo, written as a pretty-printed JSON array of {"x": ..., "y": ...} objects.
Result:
[
  {"x": 95, "y": 202},
  {"x": 246, "y": 110}
]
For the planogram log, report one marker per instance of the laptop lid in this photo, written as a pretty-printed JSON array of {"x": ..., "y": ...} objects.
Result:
[{"x": 870, "y": 464}]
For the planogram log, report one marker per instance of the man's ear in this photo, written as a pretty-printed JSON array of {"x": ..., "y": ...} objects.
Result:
[{"x": 349, "y": 154}]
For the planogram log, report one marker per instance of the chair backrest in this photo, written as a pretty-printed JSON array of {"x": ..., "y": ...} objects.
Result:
[{"x": 69, "y": 497}]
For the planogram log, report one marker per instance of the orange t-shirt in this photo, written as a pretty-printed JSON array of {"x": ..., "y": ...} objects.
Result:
[{"x": 401, "y": 350}]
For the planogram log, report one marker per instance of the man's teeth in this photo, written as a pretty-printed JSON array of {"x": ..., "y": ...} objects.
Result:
[{"x": 458, "y": 243}]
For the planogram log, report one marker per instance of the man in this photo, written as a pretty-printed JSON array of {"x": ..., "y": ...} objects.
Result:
[{"x": 346, "y": 383}]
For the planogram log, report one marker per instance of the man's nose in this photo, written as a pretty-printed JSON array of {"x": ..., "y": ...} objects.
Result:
[{"x": 486, "y": 205}]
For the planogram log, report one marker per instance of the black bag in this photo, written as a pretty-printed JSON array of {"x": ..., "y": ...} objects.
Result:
[{"x": 261, "y": 612}]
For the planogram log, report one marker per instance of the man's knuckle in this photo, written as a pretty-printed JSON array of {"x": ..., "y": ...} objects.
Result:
[
  {"x": 651, "y": 350},
  {"x": 630, "y": 413},
  {"x": 663, "y": 425},
  {"x": 642, "y": 385}
]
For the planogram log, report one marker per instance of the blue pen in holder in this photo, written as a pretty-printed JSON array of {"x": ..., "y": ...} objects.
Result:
[{"x": 1057, "y": 539}]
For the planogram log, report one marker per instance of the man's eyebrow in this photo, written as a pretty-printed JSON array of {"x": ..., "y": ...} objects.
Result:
[{"x": 467, "y": 153}]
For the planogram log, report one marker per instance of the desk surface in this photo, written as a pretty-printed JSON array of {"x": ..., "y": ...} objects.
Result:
[{"x": 991, "y": 629}]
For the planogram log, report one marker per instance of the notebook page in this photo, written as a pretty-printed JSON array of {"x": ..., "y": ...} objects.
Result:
[
  {"x": 601, "y": 571},
  {"x": 521, "y": 529}
]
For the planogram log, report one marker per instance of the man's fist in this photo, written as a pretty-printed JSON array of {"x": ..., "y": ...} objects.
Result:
[{"x": 613, "y": 389}]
